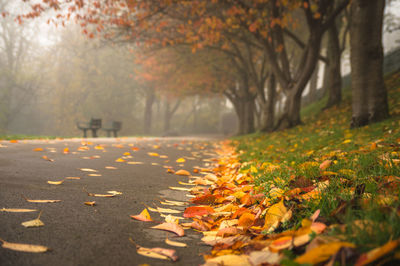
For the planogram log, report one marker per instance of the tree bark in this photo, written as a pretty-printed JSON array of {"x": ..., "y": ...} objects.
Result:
[
  {"x": 168, "y": 113},
  {"x": 369, "y": 91},
  {"x": 332, "y": 76},
  {"x": 148, "y": 111},
  {"x": 314, "y": 84},
  {"x": 269, "y": 108}
]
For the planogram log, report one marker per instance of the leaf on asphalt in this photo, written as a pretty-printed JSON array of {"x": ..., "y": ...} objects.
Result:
[
  {"x": 87, "y": 170},
  {"x": 73, "y": 178},
  {"x": 111, "y": 167},
  {"x": 143, "y": 216},
  {"x": 163, "y": 156},
  {"x": 170, "y": 170},
  {"x": 34, "y": 223},
  {"x": 98, "y": 147},
  {"x": 47, "y": 158},
  {"x": 186, "y": 184},
  {"x": 377, "y": 253},
  {"x": 171, "y": 218},
  {"x": 17, "y": 210},
  {"x": 120, "y": 160},
  {"x": 134, "y": 162},
  {"x": 229, "y": 260},
  {"x": 182, "y": 172},
  {"x": 173, "y": 203},
  {"x": 94, "y": 174},
  {"x": 66, "y": 150},
  {"x": 24, "y": 247},
  {"x": 171, "y": 227},
  {"x": 114, "y": 192},
  {"x": 175, "y": 243},
  {"x": 40, "y": 201},
  {"x": 154, "y": 154},
  {"x": 322, "y": 252},
  {"x": 180, "y": 188},
  {"x": 180, "y": 160},
  {"x": 197, "y": 211},
  {"x": 157, "y": 253},
  {"x": 265, "y": 257},
  {"x": 90, "y": 203},
  {"x": 163, "y": 210},
  {"x": 101, "y": 195},
  {"x": 56, "y": 182},
  {"x": 38, "y": 149}
]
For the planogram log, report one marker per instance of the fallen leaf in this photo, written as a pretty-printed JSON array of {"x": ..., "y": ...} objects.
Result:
[
  {"x": 17, "y": 210},
  {"x": 181, "y": 160},
  {"x": 246, "y": 220},
  {"x": 90, "y": 203},
  {"x": 154, "y": 154},
  {"x": 180, "y": 188},
  {"x": 134, "y": 162},
  {"x": 114, "y": 192},
  {"x": 98, "y": 147},
  {"x": 56, "y": 182},
  {"x": 274, "y": 216},
  {"x": 322, "y": 252},
  {"x": 66, "y": 150},
  {"x": 229, "y": 260},
  {"x": 34, "y": 223},
  {"x": 175, "y": 243},
  {"x": 158, "y": 253},
  {"x": 377, "y": 253},
  {"x": 111, "y": 167},
  {"x": 38, "y": 149},
  {"x": 87, "y": 170},
  {"x": 186, "y": 184},
  {"x": 13, "y": 141},
  {"x": 120, "y": 160},
  {"x": 163, "y": 210},
  {"x": 265, "y": 257},
  {"x": 182, "y": 172},
  {"x": 24, "y": 247},
  {"x": 143, "y": 216},
  {"x": 176, "y": 203},
  {"x": 325, "y": 164},
  {"x": 47, "y": 158},
  {"x": 40, "y": 201},
  {"x": 197, "y": 211},
  {"x": 172, "y": 227},
  {"x": 73, "y": 178}
]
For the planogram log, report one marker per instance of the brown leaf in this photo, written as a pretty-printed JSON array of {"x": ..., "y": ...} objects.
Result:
[
  {"x": 24, "y": 247},
  {"x": 90, "y": 203},
  {"x": 40, "y": 201},
  {"x": 172, "y": 227},
  {"x": 158, "y": 253},
  {"x": 34, "y": 223},
  {"x": 197, "y": 211}
]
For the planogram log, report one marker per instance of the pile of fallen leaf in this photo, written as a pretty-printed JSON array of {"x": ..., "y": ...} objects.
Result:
[{"x": 245, "y": 227}]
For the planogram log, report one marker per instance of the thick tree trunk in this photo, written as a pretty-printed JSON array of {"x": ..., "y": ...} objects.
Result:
[
  {"x": 269, "y": 108},
  {"x": 148, "y": 111},
  {"x": 244, "y": 109},
  {"x": 332, "y": 76},
  {"x": 369, "y": 92}
]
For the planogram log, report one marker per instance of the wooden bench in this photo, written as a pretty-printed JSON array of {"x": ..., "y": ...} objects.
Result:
[
  {"x": 94, "y": 124},
  {"x": 114, "y": 128}
]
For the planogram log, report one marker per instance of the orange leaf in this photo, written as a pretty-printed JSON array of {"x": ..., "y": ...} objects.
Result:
[
  {"x": 325, "y": 164},
  {"x": 322, "y": 252},
  {"x": 38, "y": 149},
  {"x": 205, "y": 199},
  {"x": 197, "y": 211},
  {"x": 172, "y": 227},
  {"x": 246, "y": 220},
  {"x": 182, "y": 172},
  {"x": 376, "y": 253},
  {"x": 143, "y": 216}
]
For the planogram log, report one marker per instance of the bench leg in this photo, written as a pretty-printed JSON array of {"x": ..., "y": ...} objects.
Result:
[
  {"x": 94, "y": 133},
  {"x": 115, "y": 133},
  {"x": 84, "y": 133}
]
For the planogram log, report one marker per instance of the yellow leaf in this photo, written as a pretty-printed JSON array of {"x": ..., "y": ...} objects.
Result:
[
  {"x": 127, "y": 153},
  {"x": 90, "y": 203},
  {"x": 38, "y": 149},
  {"x": 274, "y": 216},
  {"x": 143, "y": 216},
  {"x": 180, "y": 188},
  {"x": 111, "y": 167},
  {"x": 55, "y": 182},
  {"x": 66, "y": 150},
  {"x": 94, "y": 174},
  {"x": 120, "y": 160},
  {"x": 98, "y": 147},
  {"x": 73, "y": 178},
  {"x": 154, "y": 154},
  {"x": 87, "y": 170},
  {"x": 41, "y": 201},
  {"x": 17, "y": 210},
  {"x": 377, "y": 253},
  {"x": 134, "y": 162},
  {"x": 346, "y": 141},
  {"x": 181, "y": 160},
  {"x": 230, "y": 260},
  {"x": 325, "y": 164},
  {"x": 24, "y": 247},
  {"x": 175, "y": 243},
  {"x": 322, "y": 252},
  {"x": 34, "y": 223}
]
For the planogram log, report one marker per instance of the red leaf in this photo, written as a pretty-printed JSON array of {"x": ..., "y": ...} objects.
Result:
[
  {"x": 197, "y": 211},
  {"x": 205, "y": 199}
]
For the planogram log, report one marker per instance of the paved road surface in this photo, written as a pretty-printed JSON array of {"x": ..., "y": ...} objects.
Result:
[{"x": 84, "y": 235}]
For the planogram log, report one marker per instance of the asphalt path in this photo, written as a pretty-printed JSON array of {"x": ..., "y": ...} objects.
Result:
[{"x": 83, "y": 235}]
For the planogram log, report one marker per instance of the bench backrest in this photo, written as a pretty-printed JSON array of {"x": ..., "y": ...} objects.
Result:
[
  {"x": 117, "y": 125},
  {"x": 95, "y": 123}
]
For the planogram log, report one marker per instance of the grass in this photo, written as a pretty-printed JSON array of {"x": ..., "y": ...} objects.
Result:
[
  {"x": 362, "y": 183},
  {"x": 20, "y": 137}
]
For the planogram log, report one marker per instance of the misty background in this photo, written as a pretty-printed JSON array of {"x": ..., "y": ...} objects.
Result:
[{"x": 52, "y": 77}]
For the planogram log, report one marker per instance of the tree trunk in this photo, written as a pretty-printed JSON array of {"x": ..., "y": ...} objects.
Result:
[
  {"x": 269, "y": 108},
  {"x": 369, "y": 92},
  {"x": 167, "y": 116},
  {"x": 148, "y": 111},
  {"x": 313, "y": 85},
  {"x": 332, "y": 76}
]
